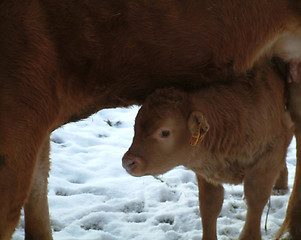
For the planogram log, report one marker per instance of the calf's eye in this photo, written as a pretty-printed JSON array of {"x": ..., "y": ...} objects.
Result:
[{"x": 165, "y": 133}]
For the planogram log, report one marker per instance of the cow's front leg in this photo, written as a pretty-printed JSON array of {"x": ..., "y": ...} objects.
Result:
[
  {"x": 211, "y": 199},
  {"x": 23, "y": 131},
  {"x": 37, "y": 222},
  {"x": 18, "y": 162}
]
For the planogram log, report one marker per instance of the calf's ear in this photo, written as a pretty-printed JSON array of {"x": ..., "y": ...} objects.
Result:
[{"x": 198, "y": 126}]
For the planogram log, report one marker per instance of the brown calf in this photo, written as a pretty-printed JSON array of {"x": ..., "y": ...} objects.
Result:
[
  {"x": 62, "y": 60},
  {"x": 225, "y": 133}
]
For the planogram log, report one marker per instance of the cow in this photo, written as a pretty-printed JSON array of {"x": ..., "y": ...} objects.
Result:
[
  {"x": 62, "y": 60},
  {"x": 225, "y": 133}
]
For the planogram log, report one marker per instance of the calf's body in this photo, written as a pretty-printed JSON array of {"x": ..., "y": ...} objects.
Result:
[{"x": 225, "y": 133}]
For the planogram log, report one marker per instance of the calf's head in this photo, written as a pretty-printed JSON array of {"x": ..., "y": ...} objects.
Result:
[{"x": 166, "y": 130}]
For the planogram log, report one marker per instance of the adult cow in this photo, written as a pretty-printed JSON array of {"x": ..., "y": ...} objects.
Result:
[{"x": 62, "y": 60}]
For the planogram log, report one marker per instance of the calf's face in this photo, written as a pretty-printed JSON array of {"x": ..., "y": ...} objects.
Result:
[{"x": 163, "y": 135}]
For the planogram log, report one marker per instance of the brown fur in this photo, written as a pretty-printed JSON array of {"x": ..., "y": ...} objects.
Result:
[
  {"x": 61, "y": 61},
  {"x": 245, "y": 134}
]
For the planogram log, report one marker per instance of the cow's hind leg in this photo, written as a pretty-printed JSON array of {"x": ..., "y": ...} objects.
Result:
[
  {"x": 37, "y": 222},
  {"x": 292, "y": 222},
  {"x": 281, "y": 184}
]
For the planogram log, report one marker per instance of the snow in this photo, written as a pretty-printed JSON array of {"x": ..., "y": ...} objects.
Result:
[{"x": 92, "y": 197}]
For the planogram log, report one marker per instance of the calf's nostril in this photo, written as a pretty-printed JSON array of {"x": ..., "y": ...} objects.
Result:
[
  {"x": 131, "y": 163},
  {"x": 128, "y": 164}
]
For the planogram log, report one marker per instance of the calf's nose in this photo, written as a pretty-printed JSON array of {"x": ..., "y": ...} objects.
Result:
[
  {"x": 129, "y": 162},
  {"x": 133, "y": 164}
]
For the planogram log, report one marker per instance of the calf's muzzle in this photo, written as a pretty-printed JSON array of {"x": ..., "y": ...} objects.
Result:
[{"x": 132, "y": 164}]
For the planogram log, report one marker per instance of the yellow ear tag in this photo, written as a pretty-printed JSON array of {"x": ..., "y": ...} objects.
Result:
[{"x": 196, "y": 136}]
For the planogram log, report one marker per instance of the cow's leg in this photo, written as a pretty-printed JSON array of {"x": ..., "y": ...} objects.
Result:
[
  {"x": 25, "y": 123},
  {"x": 281, "y": 184},
  {"x": 29, "y": 106},
  {"x": 211, "y": 199},
  {"x": 18, "y": 161},
  {"x": 258, "y": 184},
  {"x": 37, "y": 222},
  {"x": 292, "y": 222}
]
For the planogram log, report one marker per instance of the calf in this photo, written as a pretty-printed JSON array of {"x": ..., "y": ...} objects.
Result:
[{"x": 225, "y": 133}]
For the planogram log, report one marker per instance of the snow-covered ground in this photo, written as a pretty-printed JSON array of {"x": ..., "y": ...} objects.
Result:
[{"x": 91, "y": 196}]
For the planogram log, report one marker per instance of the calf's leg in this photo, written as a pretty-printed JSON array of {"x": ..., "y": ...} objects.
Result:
[
  {"x": 37, "y": 222},
  {"x": 258, "y": 184},
  {"x": 211, "y": 199},
  {"x": 281, "y": 187}
]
